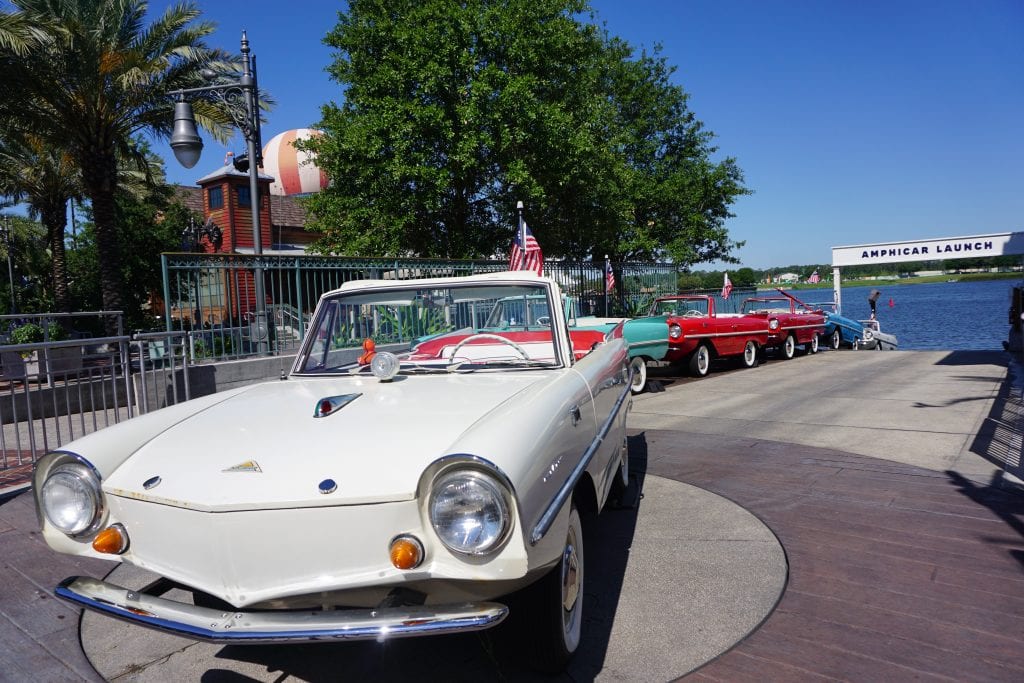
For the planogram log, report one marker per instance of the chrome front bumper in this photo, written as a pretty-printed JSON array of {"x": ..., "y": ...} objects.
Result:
[{"x": 239, "y": 628}]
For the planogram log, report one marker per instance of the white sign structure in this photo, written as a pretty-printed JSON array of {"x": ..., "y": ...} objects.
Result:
[{"x": 943, "y": 248}]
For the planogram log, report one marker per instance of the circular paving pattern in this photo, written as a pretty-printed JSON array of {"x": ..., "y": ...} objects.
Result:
[{"x": 671, "y": 583}]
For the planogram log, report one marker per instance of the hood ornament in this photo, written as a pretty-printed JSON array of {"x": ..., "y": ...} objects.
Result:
[
  {"x": 151, "y": 483},
  {"x": 331, "y": 404},
  {"x": 247, "y": 466}
]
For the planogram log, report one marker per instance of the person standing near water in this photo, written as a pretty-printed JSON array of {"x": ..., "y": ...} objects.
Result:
[{"x": 873, "y": 301}]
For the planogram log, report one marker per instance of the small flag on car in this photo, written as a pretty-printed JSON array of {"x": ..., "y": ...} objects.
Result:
[{"x": 530, "y": 258}]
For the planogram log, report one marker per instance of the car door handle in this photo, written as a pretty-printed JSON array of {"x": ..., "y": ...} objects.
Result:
[{"x": 574, "y": 413}]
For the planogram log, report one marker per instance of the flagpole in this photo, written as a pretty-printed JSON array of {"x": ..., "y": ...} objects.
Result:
[
  {"x": 522, "y": 236},
  {"x": 605, "y": 280}
]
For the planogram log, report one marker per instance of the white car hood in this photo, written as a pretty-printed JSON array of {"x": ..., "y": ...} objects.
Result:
[{"x": 263, "y": 449}]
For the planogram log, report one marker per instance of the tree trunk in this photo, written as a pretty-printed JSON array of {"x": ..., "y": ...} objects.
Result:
[
  {"x": 100, "y": 175},
  {"x": 55, "y": 220}
]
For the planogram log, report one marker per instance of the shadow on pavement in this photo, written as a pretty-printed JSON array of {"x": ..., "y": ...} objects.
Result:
[
  {"x": 1006, "y": 501},
  {"x": 1000, "y": 438},
  {"x": 488, "y": 655}
]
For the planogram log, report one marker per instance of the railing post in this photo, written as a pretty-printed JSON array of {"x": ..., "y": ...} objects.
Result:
[
  {"x": 165, "y": 274},
  {"x": 126, "y": 368}
]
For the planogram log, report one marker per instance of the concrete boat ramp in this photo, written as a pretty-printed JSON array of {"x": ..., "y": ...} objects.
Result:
[{"x": 847, "y": 515}]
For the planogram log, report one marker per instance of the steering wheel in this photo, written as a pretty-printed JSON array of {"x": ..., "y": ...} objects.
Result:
[
  {"x": 483, "y": 335},
  {"x": 693, "y": 314},
  {"x": 543, "y": 320}
]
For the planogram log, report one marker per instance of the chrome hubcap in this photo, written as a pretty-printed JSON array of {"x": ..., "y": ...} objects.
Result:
[{"x": 570, "y": 575}]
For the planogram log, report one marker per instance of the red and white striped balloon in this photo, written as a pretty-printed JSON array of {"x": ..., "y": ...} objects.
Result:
[{"x": 294, "y": 172}]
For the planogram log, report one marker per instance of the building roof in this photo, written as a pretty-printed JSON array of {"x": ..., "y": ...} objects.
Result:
[
  {"x": 284, "y": 211},
  {"x": 229, "y": 170}
]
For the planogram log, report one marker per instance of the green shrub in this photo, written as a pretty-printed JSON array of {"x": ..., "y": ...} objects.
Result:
[
  {"x": 29, "y": 333},
  {"x": 32, "y": 333}
]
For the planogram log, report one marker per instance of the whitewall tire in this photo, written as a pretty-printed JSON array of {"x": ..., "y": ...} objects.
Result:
[{"x": 639, "y": 367}]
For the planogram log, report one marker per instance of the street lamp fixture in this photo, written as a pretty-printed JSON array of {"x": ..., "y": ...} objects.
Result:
[{"x": 188, "y": 146}]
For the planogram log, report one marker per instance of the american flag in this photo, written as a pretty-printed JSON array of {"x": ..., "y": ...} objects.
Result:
[
  {"x": 609, "y": 275},
  {"x": 814, "y": 278},
  {"x": 533, "y": 260},
  {"x": 727, "y": 287}
]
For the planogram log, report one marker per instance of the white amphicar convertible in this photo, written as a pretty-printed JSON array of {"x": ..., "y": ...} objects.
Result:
[{"x": 437, "y": 446}]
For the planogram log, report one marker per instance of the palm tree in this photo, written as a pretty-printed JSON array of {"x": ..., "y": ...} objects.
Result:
[
  {"x": 45, "y": 179},
  {"x": 104, "y": 76}
]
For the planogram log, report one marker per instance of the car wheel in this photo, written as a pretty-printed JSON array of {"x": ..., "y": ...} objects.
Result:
[
  {"x": 639, "y": 367},
  {"x": 750, "y": 354},
  {"x": 556, "y": 604},
  {"x": 700, "y": 361},
  {"x": 789, "y": 347},
  {"x": 837, "y": 339},
  {"x": 856, "y": 344},
  {"x": 813, "y": 345}
]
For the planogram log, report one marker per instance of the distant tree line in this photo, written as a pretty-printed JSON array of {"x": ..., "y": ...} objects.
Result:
[{"x": 708, "y": 279}]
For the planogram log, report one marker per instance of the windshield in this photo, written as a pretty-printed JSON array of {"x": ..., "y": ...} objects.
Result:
[
  {"x": 459, "y": 328},
  {"x": 681, "y": 307},
  {"x": 768, "y": 305}
]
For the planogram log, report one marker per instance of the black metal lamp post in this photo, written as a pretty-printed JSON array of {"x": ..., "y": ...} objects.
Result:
[
  {"x": 187, "y": 146},
  {"x": 5, "y": 235}
]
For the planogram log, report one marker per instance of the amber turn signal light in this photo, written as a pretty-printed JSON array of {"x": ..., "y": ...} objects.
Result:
[
  {"x": 406, "y": 552},
  {"x": 112, "y": 541}
]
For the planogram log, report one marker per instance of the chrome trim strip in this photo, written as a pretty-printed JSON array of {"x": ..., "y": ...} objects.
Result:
[
  {"x": 543, "y": 524},
  {"x": 240, "y": 628},
  {"x": 723, "y": 334},
  {"x": 801, "y": 327},
  {"x": 655, "y": 342}
]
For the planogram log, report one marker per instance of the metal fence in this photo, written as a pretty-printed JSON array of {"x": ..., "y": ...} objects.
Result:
[
  {"x": 214, "y": 295},
  {"x": 52, "y": 392}
]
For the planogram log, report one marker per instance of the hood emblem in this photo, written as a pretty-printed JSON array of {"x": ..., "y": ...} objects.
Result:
[
  {"x": 247, "y": 466},
  {"x": 331, "y": 404},
  {"x": 328, "y": 486},
  {"x": 151, "y": 483}
]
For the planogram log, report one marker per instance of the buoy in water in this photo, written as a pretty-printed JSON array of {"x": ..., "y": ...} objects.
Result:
[{"x": 891, "y": 302}]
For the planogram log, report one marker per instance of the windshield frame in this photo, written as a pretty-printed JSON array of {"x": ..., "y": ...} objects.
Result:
[{"x": 314, "y": 356}]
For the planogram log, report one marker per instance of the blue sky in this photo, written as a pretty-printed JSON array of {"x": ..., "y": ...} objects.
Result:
[{"x": 854, "y": 122}]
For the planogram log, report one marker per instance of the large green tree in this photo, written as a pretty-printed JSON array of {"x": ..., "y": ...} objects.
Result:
[
  {"x": 151, "y": 221},
  {"x": 45, "y": 179},
  {"x": 453, "y": 110},
  {"x": 87, "y": 76}
]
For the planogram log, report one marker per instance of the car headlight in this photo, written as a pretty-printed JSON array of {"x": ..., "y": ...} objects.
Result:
[
  {"x": 675, "y": 331},
  {"x": 71, "y": 499},
  {"x": 469, "y": 511},
  {"x": 773, "y": 324},
  {"x": 868, "y": 335}
]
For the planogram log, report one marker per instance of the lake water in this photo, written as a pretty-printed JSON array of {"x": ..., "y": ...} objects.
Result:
[{"x": 937, "y": 316}]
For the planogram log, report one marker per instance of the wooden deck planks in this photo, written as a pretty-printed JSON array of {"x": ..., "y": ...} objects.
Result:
[
  {"x": 38, "y": 632},
  {"x": 896, "y": 572}
]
